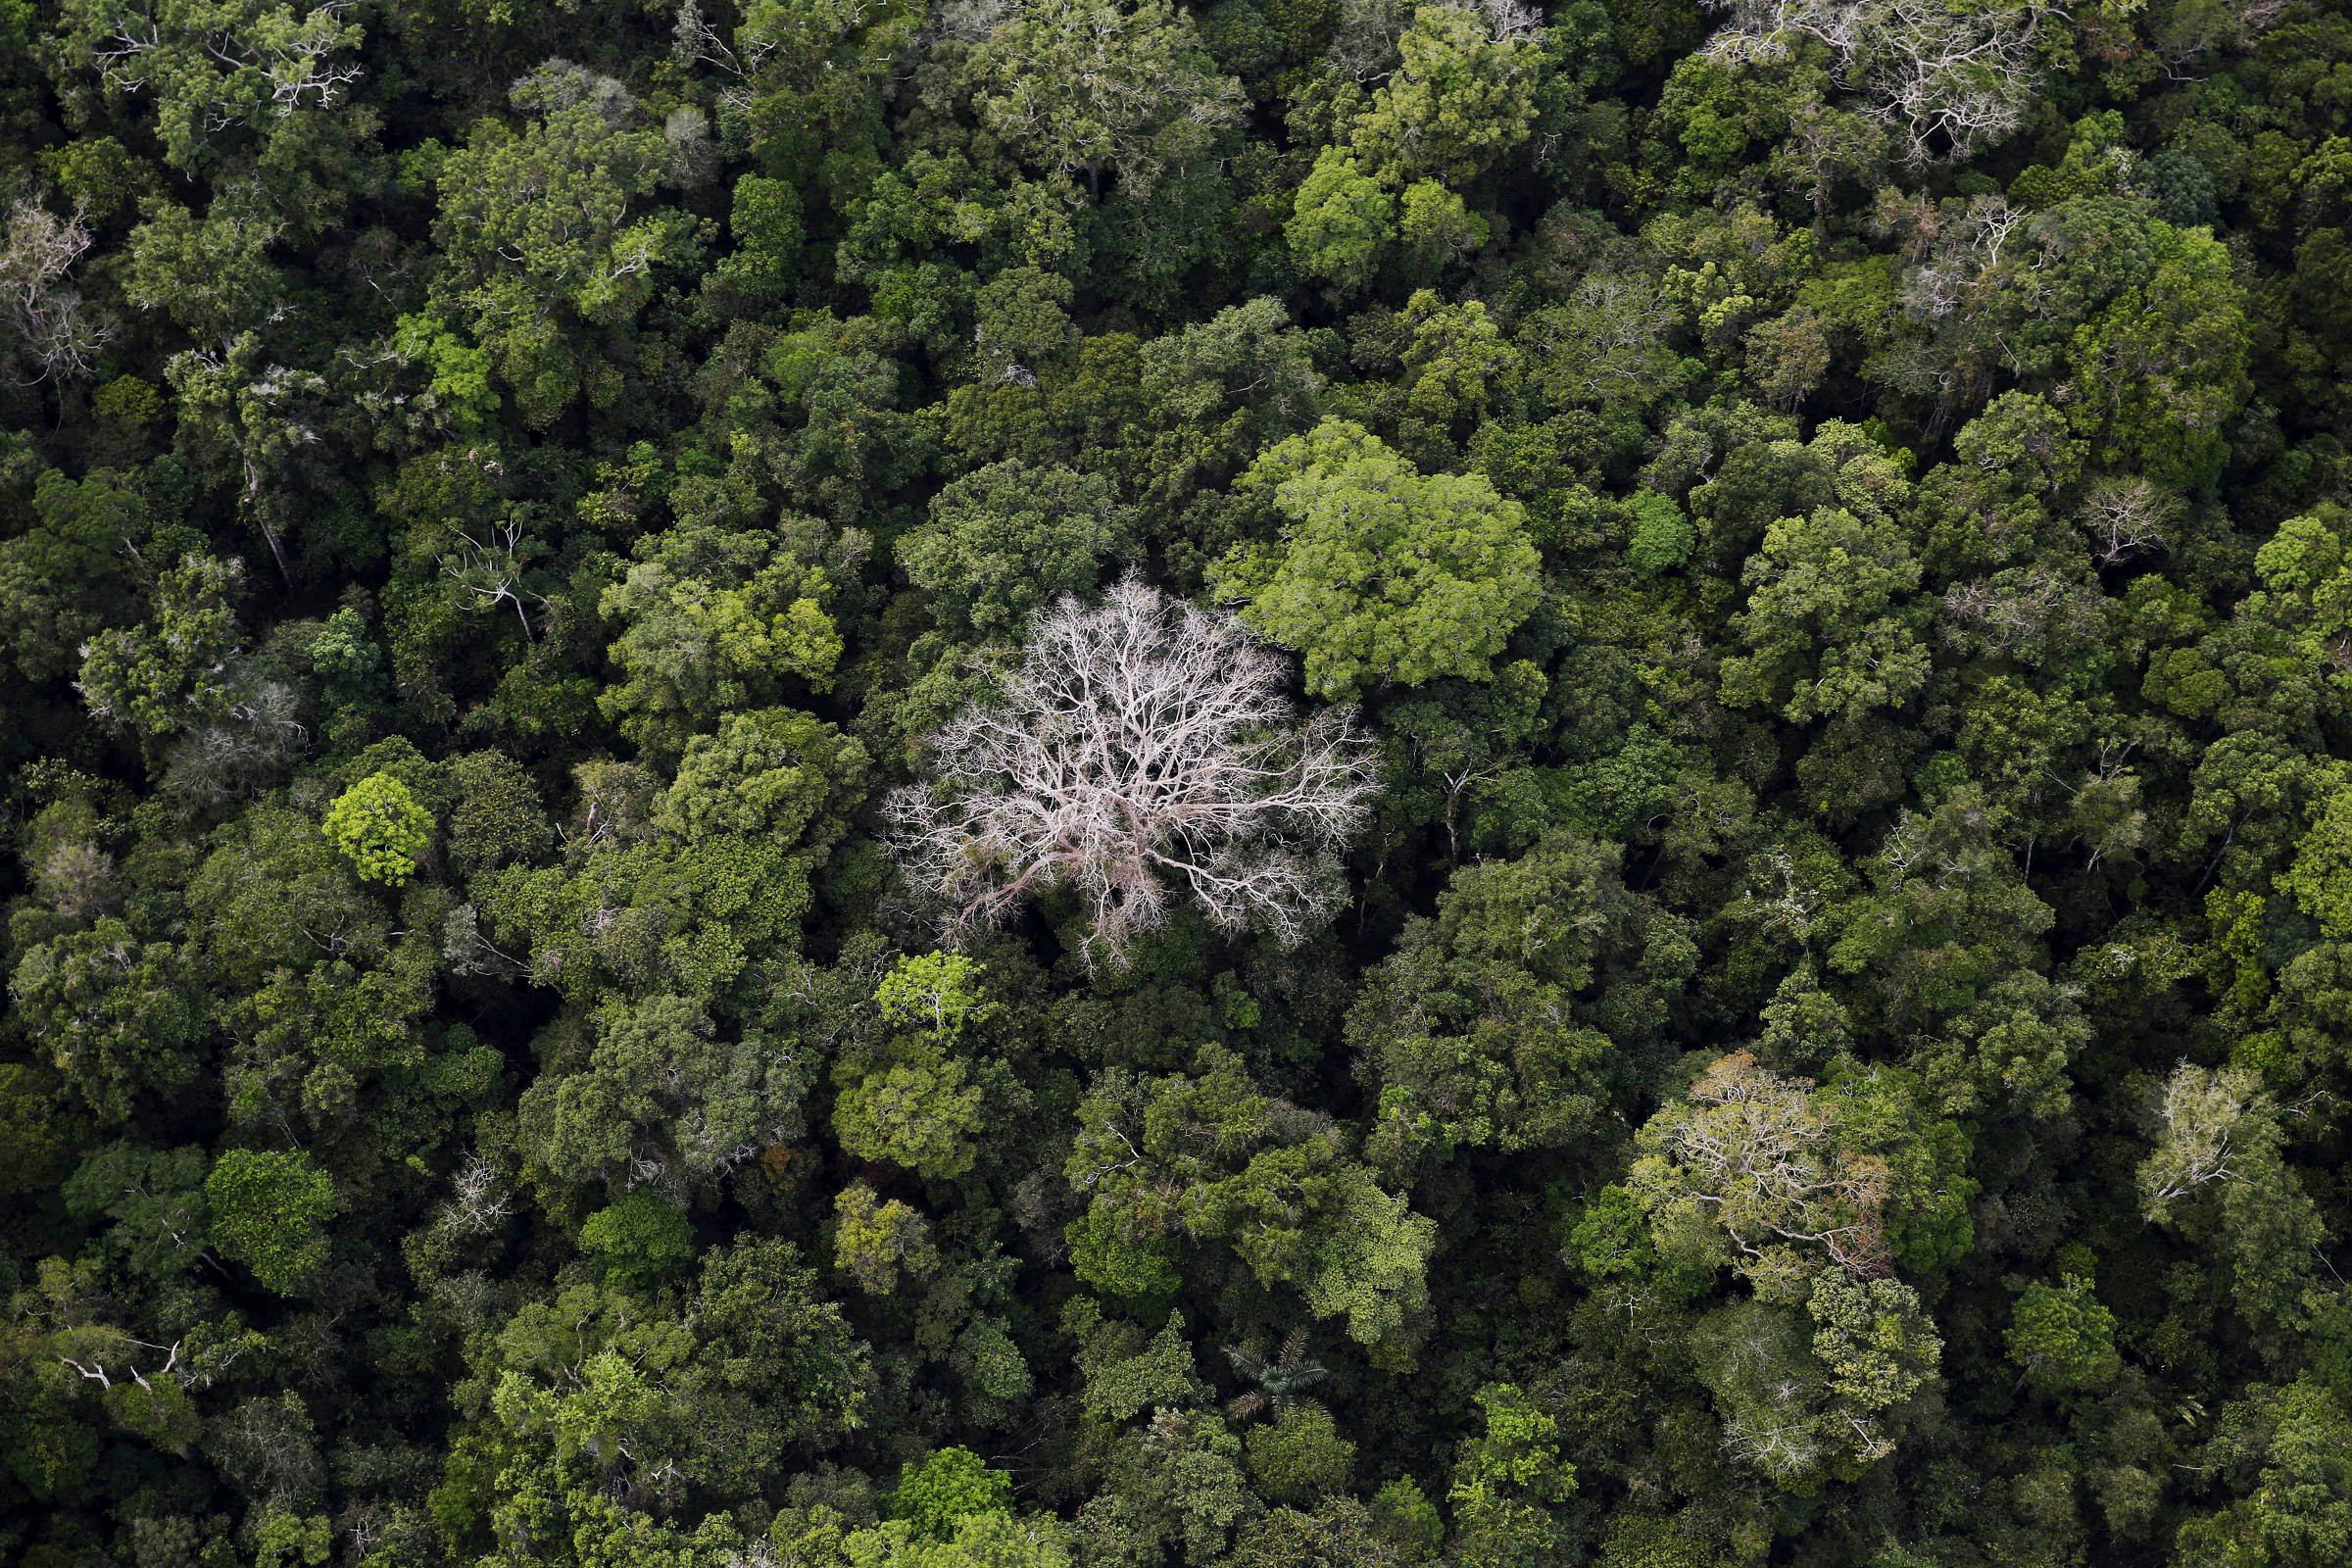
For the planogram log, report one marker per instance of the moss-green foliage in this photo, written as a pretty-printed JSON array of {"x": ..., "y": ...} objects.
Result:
[
  {"x": 1661, "y": 538},
  {"x": 2063, "y": 1338},
  {"x": 948, "y": 1487},
  {"x": 1300, "y": 1456},
  {"x": 638, "y": 1238},
  {"x": 878, "y": 1241},
  {"x": 939, "y": 993}
]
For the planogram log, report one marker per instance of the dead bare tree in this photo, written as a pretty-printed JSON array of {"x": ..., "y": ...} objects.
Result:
[
  {"x": 56, "y": 337},
  {"x": 2126, "y": 517},
  {"x": 1363, "y": 38},
  {"x": 489, "y": 572},
  {"x": 1142, "y": 750},
  {"x": 479, "y": 1197}
]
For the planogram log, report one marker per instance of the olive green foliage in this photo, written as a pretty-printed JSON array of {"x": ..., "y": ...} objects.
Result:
[
  {"x": 939, "y": 993},
  {"x": 1208, "y": 1159},
  {"x": 1342, "y": 222},
  {"x": 270, "y": 1212},
  {"x": 1508, "y": 1480},
  {"x": 923, "y": 1111},
  {"x": 1661, "y": 538},
  {"x": 2063, "y": 1338},
  {"x": 1300, "y": 1456},
  {"x": 1131, "y": 784},
  {"x": 1486, "y": 1021},
  {"x": 1008, "y": 539},
  {"x": 878, "y": 1241}
]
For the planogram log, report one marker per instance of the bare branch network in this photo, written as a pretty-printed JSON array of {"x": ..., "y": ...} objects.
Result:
[
  {"x": 1142, "y": 752},
  {"x": 38, "y": 305},
  {"x": 1934, "y": 72}
]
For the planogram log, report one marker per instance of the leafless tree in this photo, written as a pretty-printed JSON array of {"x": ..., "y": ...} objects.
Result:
[
  {"x": 1778, "y": 898},
  {"x": 2126, "y": 517},
  {"x": 1945, "y": 78},
  {"x": 1966, "y": 257},
  {"x": 1823, "y": 146},
  {"x": 247, "y": 748},
  {"x": 1509, "y": 20},
  {"x": 1141, "y": 752},
  {"x": 77, "y": 878},
  {"x": 1944, "y": 74},
  {"x": 2022, "y": 608},
  {"x": 1365, "y": 35},
  {"x": 56, "y": 337},
  {"x": 470, "y": 952},
  {"x": 697, "y": 41},
  {"x": 479, "y": 1197},
  {"x": 693, "y": 159}
]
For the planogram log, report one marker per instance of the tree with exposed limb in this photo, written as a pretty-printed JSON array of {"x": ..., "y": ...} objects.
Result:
[
  {"x": 1142, "y": 752},
  {"x": 2207, "y": 1119},
  {"x": 2127, "y": 517},
  {"x": 1760, "y": 1159}
]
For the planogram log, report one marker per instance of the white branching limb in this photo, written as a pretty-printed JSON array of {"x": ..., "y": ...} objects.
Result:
[
  {"x": 1363, "y": 38},
  {"x": 1509, "y": 20},
  {"x": 274, "y": 58},
  {"x": 1604, "y": 341},
  {"x": 2014, "y": 610},
  {"x": 1786, "y": 1447},
  {"x": 1762, "y": 1156},
  {"x": 55, "y": 336},
  {"x": 1947, "y": 79},
  {"x": 480, "y": 1199},
  {"x": 2208, "y": 1121},
  {"x": 295, "y": 59},
  {"x": 119, "y": 57},
  {"x": 489, "y": 572},
  {"x": 1969, "y": 260},
  {"x": 1141, "y": 752},
  {"x": 1938, "y": 74},
  {"x": 2126, "y": 517},
  {"x": 1778, "y": 898},
  {"x": 693, "y": 41}
]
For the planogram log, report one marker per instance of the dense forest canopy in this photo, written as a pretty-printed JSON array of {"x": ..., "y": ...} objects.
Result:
[{"x": 1115, "y": 784}]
